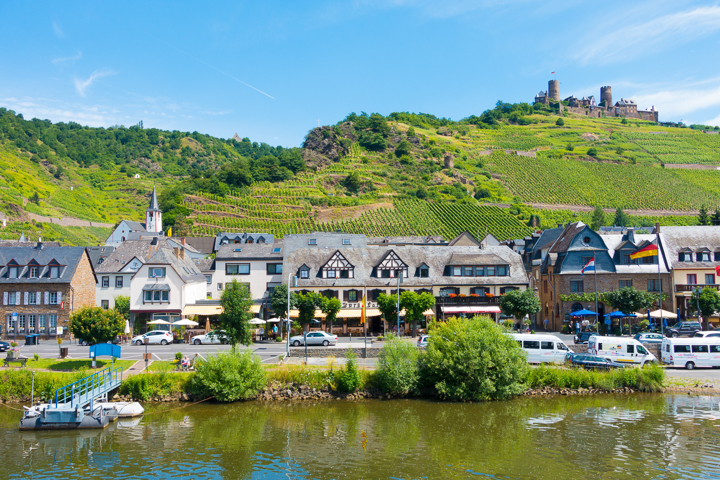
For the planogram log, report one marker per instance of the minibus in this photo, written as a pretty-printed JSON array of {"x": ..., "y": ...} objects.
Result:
[
  {"x": 691, "y": 352},
  {"x": 542, "y": 348},
  {"x": 620, "y": 349}
]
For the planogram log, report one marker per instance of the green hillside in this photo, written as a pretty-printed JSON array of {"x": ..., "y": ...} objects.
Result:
[{"x": 396, "y": 175}]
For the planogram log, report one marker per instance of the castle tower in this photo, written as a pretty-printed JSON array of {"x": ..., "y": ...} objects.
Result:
[
  {"x": 606, "y": 96},
  {"x": 153, "y": 215},
  {"x": 554, "y": 90}
]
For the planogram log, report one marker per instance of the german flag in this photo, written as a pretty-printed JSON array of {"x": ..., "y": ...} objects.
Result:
[
  {"x": 648, "y": 251},
  {"x": 362, "y": 312}
]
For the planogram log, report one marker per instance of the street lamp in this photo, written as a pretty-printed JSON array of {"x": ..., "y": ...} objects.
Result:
[
  {"x": 698, "y": 291},
  {"x": 287, "y": 328},
  {"x": 400, "y": 279}
]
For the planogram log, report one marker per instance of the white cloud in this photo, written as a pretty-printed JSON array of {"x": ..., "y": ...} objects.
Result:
[
  {"x": 682, "y": 101},
  {"x": 93, "y": 116},
  {"x": 222, "y": 112},
  {"x": 58, "y": 31},
  {"x": 82, "y": 85},
  {"x": 67, "y": 59},
  {"x": 631, "y": 41}
]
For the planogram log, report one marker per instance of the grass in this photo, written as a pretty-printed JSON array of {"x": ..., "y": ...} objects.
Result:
[
  {"x": 648, "y": 379},
  {"x": 75, "y": 365}
]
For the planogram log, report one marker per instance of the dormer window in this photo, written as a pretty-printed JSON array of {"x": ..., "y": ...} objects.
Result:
[
  {"x": 304, "y": 272},
  {"x": 54, "y": 272},
  {"x": 33, "y": 272},
  {"x": 261, "y": 240},
  {"x": 346, "y": 241},
  {"x": 338, "y": 267},
  {"x": 685, "y": 257},
  {"x": 13, "y": 272},
  {"x": 392, "y": 266},
  {"x": 331, "y": 274},
  {"x": 312, "y": 241},
  {"x": 424, "y": 271},
  {"x": 703, "y": 256}
]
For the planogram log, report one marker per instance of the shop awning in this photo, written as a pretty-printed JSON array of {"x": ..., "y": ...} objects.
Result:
[
  {"x": 318, "y": 314},
  {"x": 357, "y": 313},
  {"x": 255, "y": 308},
  {"x": 427, "y": 312},
  {"x": 204, "y": 310},
  {"x": 488, "y": 309}
]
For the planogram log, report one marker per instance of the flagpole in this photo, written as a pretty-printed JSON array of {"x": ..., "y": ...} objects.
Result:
[
  {"x": 364, "y": 317},
  {"x": 657, "y": 237},
  {"x": 597, "y": 314}
]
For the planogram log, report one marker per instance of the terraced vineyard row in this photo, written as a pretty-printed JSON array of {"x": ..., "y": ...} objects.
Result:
[
  {"x": 572, "y": 182},
  {"x": 679, "y": 147}
]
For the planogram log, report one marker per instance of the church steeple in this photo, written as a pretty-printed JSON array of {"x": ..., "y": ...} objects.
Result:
[{"x": 153, "y": 215}]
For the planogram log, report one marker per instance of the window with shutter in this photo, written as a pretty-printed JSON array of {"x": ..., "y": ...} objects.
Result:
[
  {"x": 47, "y": 298},
  {"x": 25, "y": 300},
  {"x": 59, "y": 298},
  {"x": 5, "y": 298},
  {"x": 38, "y": 298}
]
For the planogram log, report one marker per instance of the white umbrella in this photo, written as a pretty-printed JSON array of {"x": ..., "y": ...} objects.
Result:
[
  {"x": 274, "y": 320},
  {"x": 159, "y": 322},
  {"x": 186, "y": 322},
  {"x": 256, "y": 321},
  {"x": 127, "y": 327}
]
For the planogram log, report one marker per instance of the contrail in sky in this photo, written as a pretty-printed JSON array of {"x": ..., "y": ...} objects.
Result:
[{"x": 215, "y": 68}]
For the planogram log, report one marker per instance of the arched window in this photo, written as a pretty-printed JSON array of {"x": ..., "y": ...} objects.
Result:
[
  {"x": 577, "y": 306},
  {"x": 122, "y": 239}
]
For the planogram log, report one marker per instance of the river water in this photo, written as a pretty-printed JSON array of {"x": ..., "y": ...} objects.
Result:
[{"x": 604, "y": 436}]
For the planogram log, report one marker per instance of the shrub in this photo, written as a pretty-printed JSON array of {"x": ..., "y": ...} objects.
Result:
[
  {"x": 560, "y": 122},
  {"x": 474, "y": 360},
  {"x": 349, "y": 379},
  {"x": 229, "y": 376},
  {"x": 398, "y": 371},
  {"x": 647, "y": 379}
]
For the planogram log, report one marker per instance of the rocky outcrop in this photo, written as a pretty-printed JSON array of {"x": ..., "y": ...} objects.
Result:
[{"x": 328, "y": 143}]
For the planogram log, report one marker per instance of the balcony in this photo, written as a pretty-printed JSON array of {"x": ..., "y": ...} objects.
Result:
[
  {"x": 467, "y": 300},
  {"x": 689, "y": 287}
]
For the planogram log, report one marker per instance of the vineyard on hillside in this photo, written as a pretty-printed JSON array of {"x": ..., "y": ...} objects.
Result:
[
  {"x": 407, "y": 217},
  {"x": 679, "y": 147}
]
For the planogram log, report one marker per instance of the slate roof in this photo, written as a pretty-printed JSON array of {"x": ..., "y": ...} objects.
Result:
[
  {"x": 566, "y": 237},
  {"x": 68, "y": 258},
  {"x": 241, "y": 237},
  {"x": 476, "y": 259},
  {"x": 135, "y": 226},
  {"x": 413, "y": 240},
  {"x": 154, "y": 201},
  {"x": 205, "y": 264},
  {"x": 436, "y": 258},
  {"x": 202, "y": 244},
  {"x": 17, "y": 243},
  {"x": 144, "y": 250},
  {"x": 185, "y": 268},
  {"x": 614, "y": 242},
  {"x": 251, "y": 251},
  {"x": 547, "y": 238},
  {"x": 695, "y": 238}
]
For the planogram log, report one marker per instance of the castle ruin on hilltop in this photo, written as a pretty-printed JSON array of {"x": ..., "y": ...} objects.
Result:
[{"x": 588, "y": 107}]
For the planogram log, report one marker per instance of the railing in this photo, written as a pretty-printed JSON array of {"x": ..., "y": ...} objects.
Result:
[
  {"x": 85, "y": 389},
  {"x": 468, "y": 300},
  {"x": 689, "y": 287}
]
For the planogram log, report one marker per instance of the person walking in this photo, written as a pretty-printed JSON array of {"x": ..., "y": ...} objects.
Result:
[
  {"x": 577, "y": 328},
  {"x": 546, "y": 324}
]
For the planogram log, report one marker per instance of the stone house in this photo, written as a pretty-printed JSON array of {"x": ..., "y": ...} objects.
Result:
[
  {"x": 560, "y": 271},
  {"x": 41, "y": 287}
]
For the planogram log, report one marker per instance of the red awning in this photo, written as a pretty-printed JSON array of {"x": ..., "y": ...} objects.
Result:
[{"x": 488, "y": 309}]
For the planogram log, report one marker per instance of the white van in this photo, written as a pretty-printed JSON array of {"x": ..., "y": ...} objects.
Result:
[
  {"x": 542, "y": 348},
  {"x": 620, "y": 349},
  {"x": 691, "y": 352}
]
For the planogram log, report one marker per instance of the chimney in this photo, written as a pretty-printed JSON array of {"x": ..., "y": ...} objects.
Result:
[
  {"x": 657, "y": 227},
  {"x": 182, "y": 240},
  {"x": 154, "y": 241},
  {"x": 631, "y": 235},
  {"x": 182, "y": 253},
  {"x": 39, "y": 246},
  {"x": 176, "y": 251}
]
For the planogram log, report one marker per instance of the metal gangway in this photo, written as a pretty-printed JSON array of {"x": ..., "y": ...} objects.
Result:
[{"x": 85, "y": 391}]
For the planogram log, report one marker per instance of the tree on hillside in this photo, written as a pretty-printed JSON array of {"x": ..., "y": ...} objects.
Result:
[
  {"x": 236, "y": 303},
  {"x": 415, "y": 305},
  {"x": 621, "y": 219},
  {"x": 598, "y": 218},
  {"x": 352, "y": 182},
  {"x": 403, "y": 148},
  {"x": 560, "y": 122},
  {"x": 35, "y": 198},
  {"x": 96, "y": 325},
  {"x": 519, "y": 303},
  {"x": 279, "y": 301},
  {"x": 715, "y": 219},
  {"x": 709, "y": 300},
  {"x": 330, "y": 307},
  {"x": 703, "y": 217}
]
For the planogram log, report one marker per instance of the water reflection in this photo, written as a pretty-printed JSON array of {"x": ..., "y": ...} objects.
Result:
[{"x": 635, "y": 436}]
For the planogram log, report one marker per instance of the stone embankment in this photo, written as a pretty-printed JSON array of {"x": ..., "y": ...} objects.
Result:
[{"x": 372, "y": 352}]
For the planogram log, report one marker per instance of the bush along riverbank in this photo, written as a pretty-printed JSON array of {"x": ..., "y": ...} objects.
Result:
[{"x": 466, "y": 360}]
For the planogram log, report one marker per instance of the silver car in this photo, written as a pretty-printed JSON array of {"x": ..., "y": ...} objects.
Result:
[
  {"x": 423, "y": 341},
  {"x": 163, "y": 337},
  {"x": 314, "y": 338},
  {"x": 216, "y": 336}
]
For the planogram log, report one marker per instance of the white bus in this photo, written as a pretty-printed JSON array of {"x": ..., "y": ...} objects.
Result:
[
  {"x": 542, "y": 348},
  {"x": 691, "y": 352},
  {"x": 620, "y": 349}
]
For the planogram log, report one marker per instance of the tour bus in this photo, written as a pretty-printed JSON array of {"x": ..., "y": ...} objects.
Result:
[
  {"x": 691, "y": 352},
  {"x": 620, "y": 349},
  {"x": 542, "y": 348}
]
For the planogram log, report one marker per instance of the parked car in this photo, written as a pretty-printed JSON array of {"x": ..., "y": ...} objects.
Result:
[
  {"x": 215, "y": 336},
  {"x": 314, "y": 338},
  {"x": 708, "y": 334},
  {"x": 683, "y": 329},
  {"x": 4, "y": 346},
  {"x": 163, "y": 337},
  {"x": 423, "y": 341},
  {"x": 652, "y": 338},
  {"x": 593, "y": 362},
  {"x": 583, "y": 337}
]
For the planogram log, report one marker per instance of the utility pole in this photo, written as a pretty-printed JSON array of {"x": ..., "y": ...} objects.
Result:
[
  {"x": 400, "y": 278},
  {"x": 287, "y": 328}
]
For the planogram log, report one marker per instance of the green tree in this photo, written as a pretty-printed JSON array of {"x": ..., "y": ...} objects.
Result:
[
  {"x": 96, "y": 325},
  {"x": 306, "y": 305},
  {"x": 474, "y": 360},
  {"x": 703, "y": 217},
  {"x": 236, "y": 303},
  {"x": 715, "y": 220},
  {"x": 35, "y": 198},
  {"x": 122, "y": 306},
  {"x": 352, "y": 182},
  {"x": 387, "y": 304},
  {"x": 279, "y": 302},
  {"x": 415, "y": 305},
  {"x": 709, "y": 300},
  {"x": 330, "y": 307},
  {"x": 628, "y": 300},
  {"x": 621, "y": 219},
  {"x": 411, "y": 132},
  {"x": 592, "y": 152},
  {"x": 560, "y": 122},
  {"x": 519, "y": 303},
  {"x": 403, "y": 148},
  {"x": 598, "y": 218},
  {"x": 398, "y": 369}
]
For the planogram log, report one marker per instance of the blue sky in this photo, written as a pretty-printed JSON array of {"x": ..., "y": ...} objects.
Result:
[{"x": 271, "y": 70}]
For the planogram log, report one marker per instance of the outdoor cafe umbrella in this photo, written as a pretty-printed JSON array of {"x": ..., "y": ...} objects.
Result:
[
  {"x": 127, "y": 327},
  {"x": 256, "y": 321},
  {"x": 582, "y": 313},
  {"x": 159, "y": 322},
  {"x": 186, "y": 322},
  {"x": 274, "y": 320}
]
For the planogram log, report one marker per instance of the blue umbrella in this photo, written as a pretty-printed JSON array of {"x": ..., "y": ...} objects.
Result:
[
  {"x": 619, "y": 315},
  {"x": 582, "y": 313}
]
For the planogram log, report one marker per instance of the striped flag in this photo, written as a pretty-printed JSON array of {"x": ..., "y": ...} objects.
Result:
[
  {"x": 648, "y": 251},
  {"x": 362, "y": 312},
  {"x": 590, "y": 267},
  {"x": 552, "y": 73}
]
